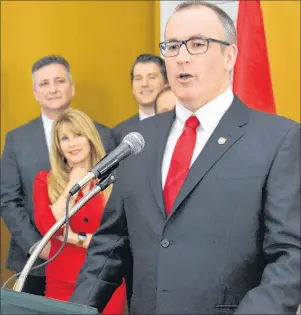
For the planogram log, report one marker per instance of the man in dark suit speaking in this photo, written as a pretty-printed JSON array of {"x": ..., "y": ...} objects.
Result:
[{"x": 212, "y": 224}]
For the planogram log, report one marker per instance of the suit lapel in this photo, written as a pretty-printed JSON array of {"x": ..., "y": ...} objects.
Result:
[
  {"x": 164, "y": 123},
  {"x": 230, "y": 129},
  {"x": 136, "y": 119},
  {"x": 40, "y": 149}
]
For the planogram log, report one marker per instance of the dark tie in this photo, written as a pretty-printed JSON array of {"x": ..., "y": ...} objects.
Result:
[{"x": 180, "y": 162}]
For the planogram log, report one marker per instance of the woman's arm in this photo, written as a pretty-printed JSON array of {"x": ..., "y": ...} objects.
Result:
[
  {"x": 44, "y": 218},
  {"x": 73, "y": 238},
  {"x": 59, "y": 207}
]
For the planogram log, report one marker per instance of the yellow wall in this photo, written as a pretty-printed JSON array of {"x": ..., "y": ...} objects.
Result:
[
  {"x": 100, "y": 39},
  {"x": 282, "y": 26}
]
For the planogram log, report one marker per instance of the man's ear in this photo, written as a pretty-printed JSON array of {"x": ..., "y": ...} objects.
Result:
[
  {"x": 35, "y": 94},
  {"x": 230, "y": 57},
  {"x": 73, "y": 90}
]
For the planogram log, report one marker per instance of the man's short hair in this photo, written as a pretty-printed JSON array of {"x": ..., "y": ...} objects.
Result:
[
  {"x": 148, "y": 58},
  {"x": 224, "y": 18},
  {"x": 49, "y": 60}
]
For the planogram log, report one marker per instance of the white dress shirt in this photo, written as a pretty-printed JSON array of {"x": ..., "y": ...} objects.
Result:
[
  {"x": 47, "y": 124},
  {"x": 143, "y": 116},
  {"x": 208, "y": 115}
]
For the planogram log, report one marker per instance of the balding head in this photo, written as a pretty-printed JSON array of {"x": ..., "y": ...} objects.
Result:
[
  {"x": 227, "y": 23},
  {"x": 200, "y": 73}
]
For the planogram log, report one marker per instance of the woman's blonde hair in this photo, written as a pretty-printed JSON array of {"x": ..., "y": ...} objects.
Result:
[{"x": 78, "y": 123}]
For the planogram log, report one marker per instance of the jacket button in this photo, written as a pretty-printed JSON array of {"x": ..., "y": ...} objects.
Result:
[{"x": 165, "y": 243}]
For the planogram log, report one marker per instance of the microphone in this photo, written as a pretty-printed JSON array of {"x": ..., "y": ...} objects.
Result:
[{"x": 132, "y": 143}]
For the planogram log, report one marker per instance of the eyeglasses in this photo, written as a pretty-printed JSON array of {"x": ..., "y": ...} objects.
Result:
[{"x": 195, "y": 46}]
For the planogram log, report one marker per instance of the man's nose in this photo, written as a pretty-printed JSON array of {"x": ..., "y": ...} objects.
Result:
[
  {"x": 183, "y": 56},
  {"x": 145, "y": 81},
  {"x": 53, "y": 88}
]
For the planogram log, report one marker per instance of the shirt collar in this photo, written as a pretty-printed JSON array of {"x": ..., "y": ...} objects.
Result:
[
  {"x": 143, "y": 116},
  {"x": 209, "y": 114},
  {"x": 46, "y": 121}
]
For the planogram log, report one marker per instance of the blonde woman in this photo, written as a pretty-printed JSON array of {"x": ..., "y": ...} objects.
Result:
[{"x": 76, "y": 147}]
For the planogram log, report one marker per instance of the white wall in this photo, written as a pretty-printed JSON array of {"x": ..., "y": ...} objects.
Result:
[{"x": 167, "y": 8}]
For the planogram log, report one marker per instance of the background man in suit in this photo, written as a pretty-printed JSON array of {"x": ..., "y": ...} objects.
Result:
[
  {"x": 212, "y": 224},
  {"x": 166, "y": 100},
  {"x": 25, "y": 153},
  {"x": 148, "y": 78}
]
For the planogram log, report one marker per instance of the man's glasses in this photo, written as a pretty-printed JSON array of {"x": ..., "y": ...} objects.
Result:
[{"x": 195, "y": 46}]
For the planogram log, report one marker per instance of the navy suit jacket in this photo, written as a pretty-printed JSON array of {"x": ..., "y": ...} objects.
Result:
[{"x": 232, "y": 241}]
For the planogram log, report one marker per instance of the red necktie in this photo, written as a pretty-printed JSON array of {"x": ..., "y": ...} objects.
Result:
[{"x": 180, "y": 162}]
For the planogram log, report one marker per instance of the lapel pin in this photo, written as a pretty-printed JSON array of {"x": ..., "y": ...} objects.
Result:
[{"x": 222, "y": 140}]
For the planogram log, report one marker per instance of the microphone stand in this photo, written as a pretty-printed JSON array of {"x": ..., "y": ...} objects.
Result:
[{"x": 100, "y": 186}]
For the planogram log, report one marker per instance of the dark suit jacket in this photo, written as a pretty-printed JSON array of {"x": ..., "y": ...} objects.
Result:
[
  {"x": 25, "y": 153},
  {"x": 122, "y": 129},
  {"x": 232, "y": 241}
]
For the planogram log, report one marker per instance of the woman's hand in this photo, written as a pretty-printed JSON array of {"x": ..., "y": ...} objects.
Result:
[
  {"x": 59, "y": 207},
  {"x": 45, "y": 252},
  {"x": 76, "y": 174},
  {"x": 71, "y": 239}
]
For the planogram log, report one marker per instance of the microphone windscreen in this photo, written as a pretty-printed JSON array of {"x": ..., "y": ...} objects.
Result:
[{"x": 135, "y": 141}]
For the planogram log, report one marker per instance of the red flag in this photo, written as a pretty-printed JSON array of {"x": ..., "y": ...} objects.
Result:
[{"x": 252, "y": 79}]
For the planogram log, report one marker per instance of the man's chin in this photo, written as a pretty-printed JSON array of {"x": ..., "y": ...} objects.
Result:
[
  {"x": 148, "y": 104},
  {"x": 189, "y": 101},
  {"x": 57, "y": 107}
]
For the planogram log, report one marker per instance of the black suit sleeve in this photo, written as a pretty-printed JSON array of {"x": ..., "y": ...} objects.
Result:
[
  {"x": 125, "y": 127},
  {"x": 117, "y": 134},
  {"x": 108, "y": 257},
  {"x": 107, "y": 137},
  {"x": 13, "y": 210},
  {"x": 279, "y": 290}
]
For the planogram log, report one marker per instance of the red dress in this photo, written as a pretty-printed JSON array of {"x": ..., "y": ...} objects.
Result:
[{"x": 62, "y": 272}]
